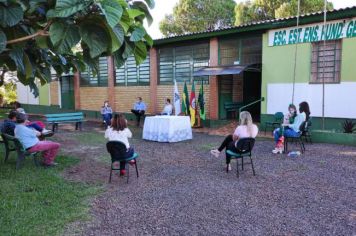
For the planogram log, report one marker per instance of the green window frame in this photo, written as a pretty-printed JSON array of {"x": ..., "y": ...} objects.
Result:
[
  {"x": 179, "y": 63},
  {"x": 87, "y": 78},
  {"x": 240, "y": 51},
  {"x": 131, "y": 74}
]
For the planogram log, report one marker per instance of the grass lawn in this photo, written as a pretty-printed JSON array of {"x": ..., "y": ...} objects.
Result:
[{"x": 39, "y": 201}]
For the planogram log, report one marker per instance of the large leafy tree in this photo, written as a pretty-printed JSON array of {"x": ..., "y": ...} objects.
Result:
[
  {"x": 68, "y": 35},
  {"x": 198, "y": 15},
  {"x": 258, "y": 10}
]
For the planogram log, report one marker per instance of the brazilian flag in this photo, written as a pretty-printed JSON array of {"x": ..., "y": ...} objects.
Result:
[
  {"x": 201, "y": 102},
  {"x": 185, "y": 100}
]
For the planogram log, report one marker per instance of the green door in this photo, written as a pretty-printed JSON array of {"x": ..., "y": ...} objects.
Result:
[
  {"x": 67, "y": 92},
  {"x": 225, "y": 93}
]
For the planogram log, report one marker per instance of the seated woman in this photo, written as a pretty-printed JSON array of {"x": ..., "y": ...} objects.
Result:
[
  {"x": 291, "y": 130},
  {"x": 29, "y": 139},
  {"x": 106, "y": 112},
  {"x": 37, "y": 125},
  {"x": 118, "y": 131},
  {"x": 246, "y": 129},
  {"x": 168, "y": 108}
]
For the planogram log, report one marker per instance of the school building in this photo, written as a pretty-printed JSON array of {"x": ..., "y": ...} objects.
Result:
[{"x": 268, "y": 64}]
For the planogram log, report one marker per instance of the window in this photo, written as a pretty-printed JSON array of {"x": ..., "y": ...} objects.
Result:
[
  {"x": 131, "y": 74},
  {"x": 180, "y": 63},
  {"x": 242, "y": 51},
  {"x": 100, "y": 80},
  {"x": 326, "y": 62}
]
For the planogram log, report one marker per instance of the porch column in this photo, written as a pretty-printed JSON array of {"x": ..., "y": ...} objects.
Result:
[
  {"x": 213, "y": 80},
  {"x": 153, "y": 80},
  {"x": 76, "y": 90},
  {"x": 111, "y": 82}
]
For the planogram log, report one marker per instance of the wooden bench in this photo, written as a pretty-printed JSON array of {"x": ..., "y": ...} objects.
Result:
[
  {"x": 232, "y": 108},
  {"x": 56, "y": 119},
  {"x": 13, "y": 144}
]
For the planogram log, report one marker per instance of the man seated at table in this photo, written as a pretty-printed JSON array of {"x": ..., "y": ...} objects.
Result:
[
  {"x": 139, "y": 109},
  {"x": 168, "y": 108}
]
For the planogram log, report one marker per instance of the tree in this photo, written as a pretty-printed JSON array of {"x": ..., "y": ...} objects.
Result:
[
  {"x": 191, "y": 16},
  {"x": 37, "y": 35},
  {"x": 258, "y": 10}
]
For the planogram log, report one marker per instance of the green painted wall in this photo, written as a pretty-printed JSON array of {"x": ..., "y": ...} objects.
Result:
[
  {"x": 348, "y": 64},
  {"x": 44, "y": 94},
  {"x": 278, "y": 65}
]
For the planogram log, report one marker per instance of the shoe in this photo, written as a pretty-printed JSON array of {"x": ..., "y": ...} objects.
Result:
[
  {"x": 47, "y": 133},
  {"x": 122, "y": 172},
  {"x": 132, "y": 162},
  {"x": 229, "y": 167},
  {"x": 215, "y": 152},
  {"x": 277, "y": 151}
]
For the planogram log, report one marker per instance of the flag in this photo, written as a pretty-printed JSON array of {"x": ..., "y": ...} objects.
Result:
[
  {"x": 201, "y": 102},
  {"x": 192, "y": 107},
  {"x": 185, "y": 100},
  {"x": 176, "y": 99}
]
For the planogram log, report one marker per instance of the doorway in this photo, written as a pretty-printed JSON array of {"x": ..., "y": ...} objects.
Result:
[
  {"x": 67, "y": 92},
  {"x": 225, "y": 85},
  {"x": 252, "y": 92}
]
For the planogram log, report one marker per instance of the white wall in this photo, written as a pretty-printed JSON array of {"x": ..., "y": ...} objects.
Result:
[
  {"x": 340, "y": 99},
  {"x": 24, "y": 95}
]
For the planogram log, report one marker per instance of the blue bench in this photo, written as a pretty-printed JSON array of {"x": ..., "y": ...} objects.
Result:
[{"x": 56, "y": 119}]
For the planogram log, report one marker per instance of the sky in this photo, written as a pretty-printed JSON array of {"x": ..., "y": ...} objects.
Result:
[{"x": 164, "y": 7}]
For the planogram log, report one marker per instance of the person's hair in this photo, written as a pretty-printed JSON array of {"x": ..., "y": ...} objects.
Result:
[
  {"x": 12, "y": 114},
  {"x": 304, "y": 107},
  {"x": 293, "y": 107},
  {"x": 20, "y": 117},
  {"x": 168, "y": 100},
  {"x": 246, "y": 119},
  {"x": 106, "y": 101},
  {"x": 139, "y": 98},
  {"x": 17, "y": 105},
  {"x": 118, "y": 122}
]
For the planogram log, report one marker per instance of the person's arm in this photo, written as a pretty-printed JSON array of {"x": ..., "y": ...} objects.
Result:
[
  {"x": 235, "y": 135},
  {"x": 110, "y": 110},
  {"x": 128, "y": 132},
  {"x": 102, "y": 110},
  {"x": 107, "y": 131},
  {"x": 135, "y": 106},
  {"x": 144, "y": 107}
]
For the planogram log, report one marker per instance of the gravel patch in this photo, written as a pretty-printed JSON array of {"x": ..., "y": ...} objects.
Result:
[{"x": 182, "y": 190}]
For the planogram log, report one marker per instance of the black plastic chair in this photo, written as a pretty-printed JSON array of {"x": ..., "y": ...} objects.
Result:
[
  {"x": 117, "y": 152},
  {"x": 13, "y": 144},
  {"x": 244, "y": 148},
  {"x": 278, "y": 119},
  {"x": 306, "y": 135},
  {"x": 298, "y": 139}
]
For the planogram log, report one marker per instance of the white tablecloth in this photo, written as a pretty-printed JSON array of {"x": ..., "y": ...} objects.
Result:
[{"x": 167, "y": 128}]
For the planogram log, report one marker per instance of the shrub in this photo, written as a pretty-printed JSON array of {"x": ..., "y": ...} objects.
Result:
[{"x": 349, "y": 126}]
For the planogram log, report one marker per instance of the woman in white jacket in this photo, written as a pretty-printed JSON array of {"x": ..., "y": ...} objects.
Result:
[{"x": 118, "y": 131}]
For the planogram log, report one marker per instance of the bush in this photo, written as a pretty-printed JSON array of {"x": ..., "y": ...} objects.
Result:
[{"x": 349, "y": 126}]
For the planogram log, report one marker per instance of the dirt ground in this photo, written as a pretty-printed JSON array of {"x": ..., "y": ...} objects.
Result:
[{"x": 182, "y": 190}]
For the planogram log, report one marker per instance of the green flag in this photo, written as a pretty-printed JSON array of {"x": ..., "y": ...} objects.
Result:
[
  {"x": 201, "y": 102},
  {"x": 185, "y": 100}
]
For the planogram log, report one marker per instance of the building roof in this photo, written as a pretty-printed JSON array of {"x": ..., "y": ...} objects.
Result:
[{"x": 262, "y": 25}]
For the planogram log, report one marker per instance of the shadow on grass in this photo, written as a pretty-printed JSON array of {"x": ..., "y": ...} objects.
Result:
[{"x": 38, "y": 201}]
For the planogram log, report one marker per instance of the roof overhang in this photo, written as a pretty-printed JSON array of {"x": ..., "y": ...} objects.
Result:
[{"x": 227, "y": 70}]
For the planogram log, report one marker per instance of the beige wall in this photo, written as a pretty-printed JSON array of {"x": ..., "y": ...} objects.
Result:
[
  {"x": 92, "y": 98},
  {"x": 126, "y": 97},
  {"x": 54, "y": 100}
]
